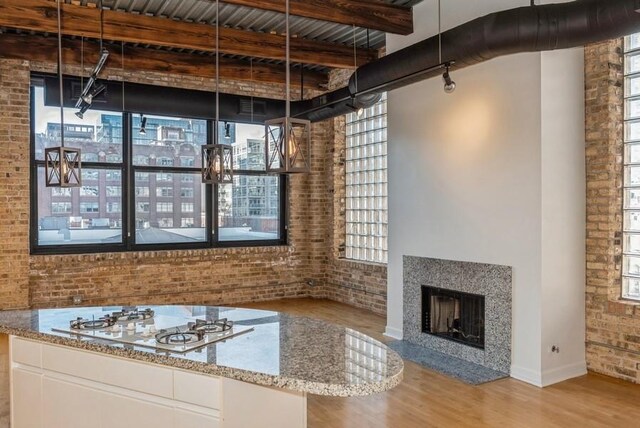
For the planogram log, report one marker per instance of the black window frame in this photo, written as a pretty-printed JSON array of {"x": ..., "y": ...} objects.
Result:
[{"x": 128, "y": 204}]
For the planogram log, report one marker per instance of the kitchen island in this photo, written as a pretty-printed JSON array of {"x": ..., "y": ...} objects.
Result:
[{"x": 255, "y": 374}]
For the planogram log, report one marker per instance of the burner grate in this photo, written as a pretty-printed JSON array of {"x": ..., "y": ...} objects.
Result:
[
  {"x": 133, "y": 314},
  {"x": 179, "y": 337},
  {"x": 215, "y": 326},
  {"x": 94, "y": 324}
]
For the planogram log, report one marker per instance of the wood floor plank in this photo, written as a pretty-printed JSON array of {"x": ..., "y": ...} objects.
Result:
[{"x": 429, "y": 399}]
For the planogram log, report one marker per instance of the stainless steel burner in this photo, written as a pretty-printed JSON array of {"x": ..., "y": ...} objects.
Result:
[
  {"x": 147, "y": 329},
  {"x": 132, "y": 314},
  {"x": 95, "y": 324},
  {"x": 179, "y": 337},
  {"x": 215, "y": 326}
]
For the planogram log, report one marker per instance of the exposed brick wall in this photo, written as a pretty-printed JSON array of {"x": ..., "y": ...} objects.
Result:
[
  {"x": 613, "y": 325},
  {"x": 14, "y": 184},
  {"x": 212, "y": 276}
]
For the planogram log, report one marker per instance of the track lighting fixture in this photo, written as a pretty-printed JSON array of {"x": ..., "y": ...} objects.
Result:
[
  {"x": 354, "y": 105},
  {"x": 449, "y": 84},
  {"x": 359, "y": 110},
  {"x": 85, "y": 101},
  {"x": 143, "y": 125},
  {"x": 92, "y": 88}
]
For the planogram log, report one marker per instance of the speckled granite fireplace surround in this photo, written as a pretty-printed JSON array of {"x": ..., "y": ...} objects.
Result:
[{"x": 491, "y": 281}]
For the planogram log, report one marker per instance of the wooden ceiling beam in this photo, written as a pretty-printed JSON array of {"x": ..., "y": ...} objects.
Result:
[
  {"x": 375, "y": 15},
  {"x": 44, "y": 49},
  {"x": 41, "y": 16}
]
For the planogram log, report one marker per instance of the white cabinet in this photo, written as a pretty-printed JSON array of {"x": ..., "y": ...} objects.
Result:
[
  {"x": 118, "y": 410},
  {"x": 67, "y": 404},
  {"x": 187, "y": 419},
  {"x": 246, "y": 405},
  {"x": 55, "y": 386},
  {"x": 26, "y": 398}
]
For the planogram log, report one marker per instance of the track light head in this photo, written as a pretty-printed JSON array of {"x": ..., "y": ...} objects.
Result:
[
  {"x": 143, "y": 125},
  {"x": 449, "y": 84},
  {"x": 84, "y": 106},
  {"x": 356, "y": 107},
  {"x": 85, "y": 100}
]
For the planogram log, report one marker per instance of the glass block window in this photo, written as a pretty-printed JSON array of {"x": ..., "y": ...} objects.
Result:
[
  {"x": 366, "y": 184},
  {"x": 631, "y": 178}
]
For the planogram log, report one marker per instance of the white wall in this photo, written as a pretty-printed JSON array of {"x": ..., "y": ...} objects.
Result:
[
  {"x": 483, "y": 175},
  {"x": 563, "y": 215}
]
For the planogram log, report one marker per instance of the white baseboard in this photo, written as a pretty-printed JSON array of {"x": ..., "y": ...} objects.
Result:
[
  {"x": 559, "y": 374},
  {"x": 549, "y": 377},
  {"x": 532, "y": 377},
  {"x": 394, "y": 333}
]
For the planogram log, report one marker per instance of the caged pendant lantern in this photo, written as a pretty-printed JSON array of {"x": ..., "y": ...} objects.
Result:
[
  {"x": 217, "y": 159},
  {"x": 62, "y": 164},
  {"x": 287, "y": 139}
]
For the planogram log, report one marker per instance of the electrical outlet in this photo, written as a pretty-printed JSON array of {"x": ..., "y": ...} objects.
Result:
[
  {"x": 555, "y": 349},
  {"x": 77, "y": 300}
]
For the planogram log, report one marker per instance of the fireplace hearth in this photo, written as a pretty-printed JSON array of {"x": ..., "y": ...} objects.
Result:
[{"x": 453, "y": 315}]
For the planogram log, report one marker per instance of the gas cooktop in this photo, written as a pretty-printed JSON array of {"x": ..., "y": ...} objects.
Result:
[{"x": 132, "y": 326}]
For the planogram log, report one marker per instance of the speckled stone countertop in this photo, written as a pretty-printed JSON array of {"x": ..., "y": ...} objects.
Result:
[{"x": 282, "y": 351}]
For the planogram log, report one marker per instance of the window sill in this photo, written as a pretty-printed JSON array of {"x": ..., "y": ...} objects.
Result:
[
  {"x": 623, "y": 307},
  {"x": 167, "y": 253},
  {"x": 372, "y": 265},
  {"x": 628, "y": 302}
]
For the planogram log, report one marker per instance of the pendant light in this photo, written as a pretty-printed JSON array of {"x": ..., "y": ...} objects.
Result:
[
  {"x": 287, "y": 139},
  {"x": 217, "y": 159},
  {"x": 62, "y": 164}
]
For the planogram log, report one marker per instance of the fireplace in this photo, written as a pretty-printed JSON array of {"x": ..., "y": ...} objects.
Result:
[
  {"x": 453, "y": 315},
  {"x": 477, "y": 295}
]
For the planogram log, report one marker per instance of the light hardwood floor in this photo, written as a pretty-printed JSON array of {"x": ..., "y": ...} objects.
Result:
[{"x": 429, "y": 399}]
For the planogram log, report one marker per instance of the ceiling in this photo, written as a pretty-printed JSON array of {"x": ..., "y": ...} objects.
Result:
[
  {"x": 234, "y": 17},
  {"x": 249, "y": 19}
]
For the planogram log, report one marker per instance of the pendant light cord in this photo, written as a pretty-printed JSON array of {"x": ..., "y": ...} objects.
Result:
[
  {"x": 82, "y": 62},
  {"x": 439, "y": 33},
  {"x": 288, "y": 72},
  {"x": 101, "y": 25},
  {"x": 355, "y": 57},
  {"x": 123, "y": 70},
  {"x": 215, "y": 134},
  {"x": 60, "y": 82},
  {"x": 252, "y": 85}
]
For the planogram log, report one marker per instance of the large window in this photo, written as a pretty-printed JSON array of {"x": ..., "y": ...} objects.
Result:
[
  {"x": 366, "y": 184},
  {"x": 144, "y": 190},
  {"x": 631, "y": 180}
]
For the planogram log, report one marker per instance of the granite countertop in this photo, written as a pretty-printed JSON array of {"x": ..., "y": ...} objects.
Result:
[{"x": 282, "y": 351}]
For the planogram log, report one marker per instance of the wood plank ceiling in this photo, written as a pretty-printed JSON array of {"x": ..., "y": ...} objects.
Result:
[{"x": 178, "y": 36}]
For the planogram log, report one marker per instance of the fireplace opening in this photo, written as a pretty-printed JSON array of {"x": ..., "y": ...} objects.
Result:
[{"x": 453, "y": 315}]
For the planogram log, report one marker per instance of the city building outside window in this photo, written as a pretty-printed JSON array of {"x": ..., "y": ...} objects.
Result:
[
  {"x": 366, "y": 184},
  {"x": 164, "y": 192},
  {"x": 113, "y": 191},
  {"x": 156, "y": 194},
  {"x": 631, "y": 178}
]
